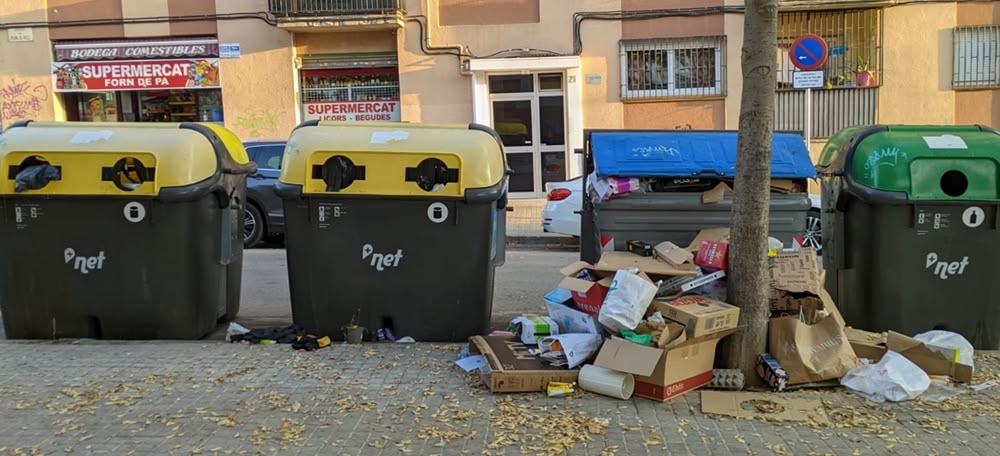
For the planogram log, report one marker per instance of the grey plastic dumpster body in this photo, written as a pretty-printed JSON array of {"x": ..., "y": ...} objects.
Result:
[
  {"x": 138, "y": 236},
  {"x": 911, "y": 241},
  {"x": 394, "y": 225},
  {"x": 678, "y": 158}
]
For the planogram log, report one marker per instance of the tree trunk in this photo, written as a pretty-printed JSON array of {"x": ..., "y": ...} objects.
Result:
[{"x": 748, "y": 279}]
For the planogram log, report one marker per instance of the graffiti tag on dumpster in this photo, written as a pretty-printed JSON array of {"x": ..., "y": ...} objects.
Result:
[
  {"x": 888, "y": 156},
  {"x": 85, "y": 264},
  {"x": 381, "y": 261}
]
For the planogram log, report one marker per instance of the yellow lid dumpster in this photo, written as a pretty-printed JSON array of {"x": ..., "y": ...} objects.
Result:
[
  {"x": 120, "y": 230},
  {"x": 394, "y": 226}
]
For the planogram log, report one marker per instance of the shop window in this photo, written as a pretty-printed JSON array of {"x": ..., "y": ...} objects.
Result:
[
  {"x": 673, "y": 68},
  {"x": 977, "y": 56},
  {"x": 180, "y": 106},
  {"x": 351, "y": 94},
  {"x": 97, "y": 107},
  {"x": 854, "y": 39}
]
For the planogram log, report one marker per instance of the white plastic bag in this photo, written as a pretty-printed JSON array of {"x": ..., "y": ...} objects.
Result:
[
  {"x": 947, "y": 342},
  {"x": 576, "y": 348},
  {"x": 894, "y": 378},
  {"x": 627, "y": 301}
]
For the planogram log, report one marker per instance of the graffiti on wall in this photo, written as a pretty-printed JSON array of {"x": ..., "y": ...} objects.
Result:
[
  {"x": 21, "y": 100},
  {"x": 259, "y": 122}
]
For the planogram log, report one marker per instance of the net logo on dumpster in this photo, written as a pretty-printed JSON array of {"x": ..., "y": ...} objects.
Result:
[
  {"x": 380, "y": 261},
  {"x": 84, "y": 264},
  {"x": 945, "y": 269}
]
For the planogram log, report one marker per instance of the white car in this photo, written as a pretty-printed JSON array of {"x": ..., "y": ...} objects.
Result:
[{"x": 561, "y": 214}]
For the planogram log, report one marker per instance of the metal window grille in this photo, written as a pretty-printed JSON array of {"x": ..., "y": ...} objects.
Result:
[
  {"x": 673, "y": 68},
  {"x": 854, "y": 38},
  {"x": 291, "y": 8},
  {"x": 349, "y": 88},
  {"x": 977, "y": 56}
]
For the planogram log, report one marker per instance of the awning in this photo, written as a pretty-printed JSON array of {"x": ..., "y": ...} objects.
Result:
[
  {"x": 341, "y": 62},
  {"x": 135, "y": 49}
]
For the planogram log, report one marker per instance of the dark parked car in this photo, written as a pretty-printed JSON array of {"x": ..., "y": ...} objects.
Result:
[{"x": 264, "y": 217}]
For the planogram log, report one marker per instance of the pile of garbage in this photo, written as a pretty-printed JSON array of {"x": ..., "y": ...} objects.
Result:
[
  {"x": 647, "y": 321},
  {"x": 713, "y": 190}
]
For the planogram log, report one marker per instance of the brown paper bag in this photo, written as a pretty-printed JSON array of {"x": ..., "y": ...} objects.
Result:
[{"x": 811, "y": 353}]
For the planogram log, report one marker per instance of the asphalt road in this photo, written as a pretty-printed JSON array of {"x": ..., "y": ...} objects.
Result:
[{"x": 520, "y": 285}]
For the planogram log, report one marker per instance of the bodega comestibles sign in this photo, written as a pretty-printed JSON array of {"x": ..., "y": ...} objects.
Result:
[{"x": 136, "y": 75}]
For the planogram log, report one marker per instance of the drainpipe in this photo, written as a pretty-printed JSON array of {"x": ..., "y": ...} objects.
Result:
[{"x": 457, "y": 50}]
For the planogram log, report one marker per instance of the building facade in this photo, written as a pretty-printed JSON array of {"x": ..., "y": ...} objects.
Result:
[{"x": 539, "y": 72}]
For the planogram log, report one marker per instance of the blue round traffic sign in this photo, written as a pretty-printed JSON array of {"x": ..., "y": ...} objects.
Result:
[{"x": 808, "y": 52}]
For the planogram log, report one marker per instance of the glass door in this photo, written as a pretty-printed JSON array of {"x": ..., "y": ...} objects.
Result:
[
  {"x": 513, "y": 121},
  {"x": 529, "y": 115}
]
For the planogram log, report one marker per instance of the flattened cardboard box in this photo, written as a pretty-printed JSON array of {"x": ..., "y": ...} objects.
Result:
[
  {"x": 663, "y": 373},
  {"x": 932, "y": 362},
  {"x": 700, "y": 315},
  {"x": 613, "y": 261},
  {"x": 866, "y": 344},
  {"x": 795, "y": 282},
  {"x": 512, "y": 369}
]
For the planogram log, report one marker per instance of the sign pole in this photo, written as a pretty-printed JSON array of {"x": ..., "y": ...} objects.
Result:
[
  {"x": 809, "y": 116},
  {"x": 808, "y": 53}
]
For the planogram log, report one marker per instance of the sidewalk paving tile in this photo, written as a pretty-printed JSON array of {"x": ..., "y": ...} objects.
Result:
[{"x": 215, "y": 398}]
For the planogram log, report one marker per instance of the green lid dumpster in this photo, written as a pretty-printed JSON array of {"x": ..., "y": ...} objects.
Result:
[
  {"x": 120, "y": 230},
  {"x": 910, "y": 229},
  {"x": 394, "y": 225}
]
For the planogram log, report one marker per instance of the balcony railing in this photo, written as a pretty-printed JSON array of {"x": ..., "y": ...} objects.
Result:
[{"x": 325, "y": 8}]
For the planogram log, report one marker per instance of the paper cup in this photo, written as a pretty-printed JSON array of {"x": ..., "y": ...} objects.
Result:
[{"x": 606, "y": 382}]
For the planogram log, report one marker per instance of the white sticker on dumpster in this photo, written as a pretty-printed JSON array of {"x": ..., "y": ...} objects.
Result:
[
  {"x": 85, "y": 137},
  {"x": 437, "y": 212},
  {"x": 973, "y": 216},
  {"x": 134, "y": 211}
]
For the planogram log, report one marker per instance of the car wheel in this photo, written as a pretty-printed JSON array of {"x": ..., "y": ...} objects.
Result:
[
  {"x": 253, "y": 226},
  {"x": 813, "y": 236}
]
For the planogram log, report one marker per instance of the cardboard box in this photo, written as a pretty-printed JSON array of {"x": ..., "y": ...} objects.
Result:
[
  {"x": 866, "y": 344},
  {"x": 713, "y": 255},
  {"x": 771, "y": 372},
  {"x": 795, "y": 282},
  {"x": 931, "y": 361},
  {"x": 511, "y": 368},
  {"x": 711, "y": 234},
  {"x": 589, "y": 284},
  {"x": 663, "y": 373},
  {"x": 873, "y": 346},
  {"x": 587, "y": 287},
  {"x": 639, "y": 248},
  {"x": 671, "y": 253},
  {"x": 700, "y": 315},
  {"x": 533, "y": 328},
  {"x": 611, "y": 262}
]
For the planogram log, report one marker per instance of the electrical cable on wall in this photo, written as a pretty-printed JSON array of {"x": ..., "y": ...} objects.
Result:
[{"x": 464, "y": 53}]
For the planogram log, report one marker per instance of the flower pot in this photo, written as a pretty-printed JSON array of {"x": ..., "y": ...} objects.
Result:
[{"x": 864, "y": 78}]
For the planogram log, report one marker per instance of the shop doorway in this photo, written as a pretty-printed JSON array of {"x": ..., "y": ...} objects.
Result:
[{"x": 528, "y": 111}]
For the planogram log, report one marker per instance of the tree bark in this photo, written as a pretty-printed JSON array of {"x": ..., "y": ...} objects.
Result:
[{"x": 748, "y": 278}]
